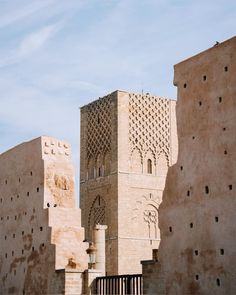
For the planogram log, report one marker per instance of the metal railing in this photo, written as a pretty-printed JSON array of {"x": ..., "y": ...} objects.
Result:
[{"x": 119, "y": 285}]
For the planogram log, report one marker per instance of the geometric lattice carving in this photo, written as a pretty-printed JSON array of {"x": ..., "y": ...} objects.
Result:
[
  {"x": 149, "y": 124},
  {"x": 97, "y": 214},
  {"x": 99, "y": 127},
  {"x": 150, "y": 217},
  {"x": 145, "y": 214}
]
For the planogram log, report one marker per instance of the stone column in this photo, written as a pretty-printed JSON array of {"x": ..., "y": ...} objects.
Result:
[{"x": 99, "y": 241}]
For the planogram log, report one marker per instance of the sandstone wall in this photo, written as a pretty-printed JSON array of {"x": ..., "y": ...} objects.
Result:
[
  {"x": 197, "y": 215},
  {"x": 138, "y": 132},
  {"x": 39, "y": 224},
  {"x": 146, "y": 133},
  {"x": 98, "y": 176}
]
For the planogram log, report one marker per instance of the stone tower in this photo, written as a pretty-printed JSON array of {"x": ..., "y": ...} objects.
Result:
[
  {"x": 41, "y": 238},
  {"x": 128, "y": 141},
  {"x": 197, "y": 253}
]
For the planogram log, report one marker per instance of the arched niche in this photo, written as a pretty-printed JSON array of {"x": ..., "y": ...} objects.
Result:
[
  {"x": 90, "y": 168},
  {"x": 107, "y": 164},
  {"x": 136, "y": 161},
  {"x": 149, "y": 163},
  {"x": 162, "y": 165},
  {"x": 145, "y": 216},
  {"x": 150, "y": 217},
  {"x": 99, "y": 166},
  {"x": 97, "y": 214}
]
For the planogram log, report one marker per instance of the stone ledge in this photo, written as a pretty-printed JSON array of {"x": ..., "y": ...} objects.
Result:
[
  {"x": 69, "y": 270},
  {"x": 147, "y": 262}
]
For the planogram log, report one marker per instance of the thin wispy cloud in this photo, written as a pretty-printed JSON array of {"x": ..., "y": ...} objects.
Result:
[
  {"x": 37, "y": 39},
  {"x": 58, "y": 55},
  {"x": 30, "y": 43},
  {"x": 18, "y": 13}
]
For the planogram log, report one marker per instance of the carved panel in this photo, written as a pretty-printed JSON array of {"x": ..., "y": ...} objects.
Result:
[
  {"x": 149, "y": 124},
  {"x": 146, "y": 212},
  {"x": 150, "y": 217},
  {"x": 61, "y": 182},
  {"x": 99, "y": 127},
  {"x": 97, "y": 214}
]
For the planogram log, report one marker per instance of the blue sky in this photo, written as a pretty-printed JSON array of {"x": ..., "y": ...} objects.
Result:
[{"x": 57, "y": 55}]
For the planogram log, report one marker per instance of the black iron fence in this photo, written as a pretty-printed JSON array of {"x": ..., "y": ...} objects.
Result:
[{"x": 119, "y": 285}]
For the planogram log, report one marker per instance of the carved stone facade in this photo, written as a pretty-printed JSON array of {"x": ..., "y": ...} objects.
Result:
[
  {"x": 128, "y": 141},
  {"x": 149, "y": 128},
  {"x": 197, "y": 216},
  {"x": 41, "y": 238}
]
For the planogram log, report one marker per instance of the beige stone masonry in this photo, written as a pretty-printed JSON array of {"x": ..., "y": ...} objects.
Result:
[
  {"x": 197, "y": 216},
  {"x": 99, "y": 242},
  {"x": 40, "y": 228},
  {"x": 128, "y": 141}
]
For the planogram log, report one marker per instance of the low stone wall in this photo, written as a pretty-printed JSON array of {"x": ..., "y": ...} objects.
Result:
[{"x": 150, "y": 270}]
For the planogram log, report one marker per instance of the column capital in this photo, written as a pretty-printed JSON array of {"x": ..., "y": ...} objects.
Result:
[{"x": 100, "y": 226}]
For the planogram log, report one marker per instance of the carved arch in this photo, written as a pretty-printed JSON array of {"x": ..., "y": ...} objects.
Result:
[
  {"x": 136, "y": 161},
  {"x": 150, "y": 216},
  {"x": 90, "y": 168},
  {"x": 162, "y": 164},
  {"x": 99, "y": 165},
  {"x": 97, "y": 214},
  {"x": 145, "y": 213},
  {"x": 107, "y": 164},
  {"x": 150, "y": 162}
]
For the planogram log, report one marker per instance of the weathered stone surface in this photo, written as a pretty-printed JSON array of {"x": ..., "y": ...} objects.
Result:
[
  {"x": 197, "y": 215},
  {"x": 40, "y": 228},
  {"x": 128, "y": 141}
]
